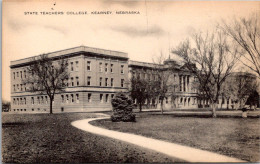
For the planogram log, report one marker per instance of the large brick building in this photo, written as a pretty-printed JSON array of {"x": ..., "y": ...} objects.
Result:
[{"x": 95, "y": 75}]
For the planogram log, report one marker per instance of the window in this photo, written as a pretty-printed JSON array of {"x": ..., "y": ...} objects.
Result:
[
  {"x": 14, "y": 87},
  {"x": 112, "y": 82},
  {"x": 46, "y": 99},
  {"x": 71, "y": 66},
  {"x": 67, "y": 82},
  {"x": 72, "y": 81},
  {"x": 17, "y": 99},
  {"x": 38, "y": 100},
  {"x": 72, "y": 98},
  {"x": 67, "y": 98},
  {"x": 62, "y": 109},
  {"x": 89, "y": 97},
  {"x": 107, "y": 97},
  {"x": 17, "y": 87},
  {"x": 122, "y": 69},
  {"x": 14, "y": 74},
  {"x": 21, "y": 72},
  {"x": 25, "y": 87},
  {"x": 106, "y": 83},
  {"x": 62, "y": 98},
  {"x": 180, "y": 83},
  {"x": 21, "y": 86},
  {"x": 42, "y": 100},
  {"x": 106, "y": 67},
  {"x": 17, "y": 73},
  {"x": 21, "y": 100},
  {"x": 111, "y": 67},
  {"x": 100, "y": 81},
  {"x": 32, "y": 109},
  {"x": 100, "y": 67},
  {"x": 101, "y": 98},
  {"x": 89, "y": 79},
  {"x": 24, "y": 73},
  {"x": 32, "y": 100},
  {"x": 77, "y": 81},
  {"x": 88, "y": 66},
  {"x": 112, "y": 96},
  {"x": 77, "y": 65},
  {"x": 14, "y": 101},
  {"x": 77, "y": 98},
  {"x": 122, "y": 82},
  {"x": 24, "y": 100},
  {"x": 138, "y": 75}
]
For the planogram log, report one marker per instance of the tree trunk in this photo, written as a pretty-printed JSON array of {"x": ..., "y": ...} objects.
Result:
[
  {"x": 236, "y": 106},
  {"x": 51, "y": 105},
  {"x": 140, "y": 107},
  {"x": 214, "y": 107},
  {"x": 162, "y": 106}
]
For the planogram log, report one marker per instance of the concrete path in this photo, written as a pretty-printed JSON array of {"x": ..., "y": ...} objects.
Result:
[{"x": 174, "y": 150}]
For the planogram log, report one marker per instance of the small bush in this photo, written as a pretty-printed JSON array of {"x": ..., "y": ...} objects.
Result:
[{"x": 122, "y": 109}]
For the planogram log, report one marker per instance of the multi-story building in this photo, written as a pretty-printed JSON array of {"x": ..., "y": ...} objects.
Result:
[
  {"x": 95, "y": 75},
  {"x": 180, "y": 93}
]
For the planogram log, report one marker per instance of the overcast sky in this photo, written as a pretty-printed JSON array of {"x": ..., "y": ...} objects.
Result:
[{"x": 159, "y": 27}]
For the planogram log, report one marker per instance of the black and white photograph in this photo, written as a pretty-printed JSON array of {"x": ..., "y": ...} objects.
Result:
[{"x": 127, "y": 81}]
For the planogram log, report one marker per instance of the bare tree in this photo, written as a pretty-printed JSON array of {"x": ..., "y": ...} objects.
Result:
[
  {"x": 161, "y": 83},
  {"x": 211, "y": 58},
  {"x": 239, "y": 87},
  {"x": 47, "y": 76},
  {"x": 246, "y": 33}
]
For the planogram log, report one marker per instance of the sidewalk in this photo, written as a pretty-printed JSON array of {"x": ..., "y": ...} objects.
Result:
[{"x": 174, "y": 150}]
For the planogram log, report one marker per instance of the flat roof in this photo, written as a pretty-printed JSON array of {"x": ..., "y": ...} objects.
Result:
[
  {"x": 143, "y": 64},
  {"x": 73, "y": 51}
]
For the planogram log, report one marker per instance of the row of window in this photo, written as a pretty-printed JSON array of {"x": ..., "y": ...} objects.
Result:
[
  {"x": 21, "y": 74},
  {"x": 89, "y": 82},
  {"x": 106, "y": 69},
  {"x": 147, "y": 76},
  {"x": 72, "y": 82},
  {"x": 105, "y": 97},
  {"x": 18, "y": 110},
  {"x": 22, "y": 87},
  {"x": 65, "y": 98},
  {"x": 19, "y": 87},
  {"x": 22, "y": 101},
  {"x": 72, "y": 66},
  {"x": 19, "y": 101},
  {"x": 70, "y": 98}
]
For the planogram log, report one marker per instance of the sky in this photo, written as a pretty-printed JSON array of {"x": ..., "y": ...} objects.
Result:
[{"x": 159, "y": 26}]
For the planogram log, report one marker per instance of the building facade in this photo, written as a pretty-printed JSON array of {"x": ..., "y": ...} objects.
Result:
[
  {"x": 181, "y": 94},
  {"x": 95, "y": 76}
]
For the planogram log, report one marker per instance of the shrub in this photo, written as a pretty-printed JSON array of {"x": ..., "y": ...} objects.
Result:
[{"x": 122, "y": 108}]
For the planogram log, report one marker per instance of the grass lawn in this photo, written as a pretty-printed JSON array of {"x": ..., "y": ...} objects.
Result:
[
  {"x": 34, "y": 138},
  {"x": 235, "y": 137}
]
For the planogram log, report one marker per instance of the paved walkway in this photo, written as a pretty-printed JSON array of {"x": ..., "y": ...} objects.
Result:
[{"x": 174, "y": 150}]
